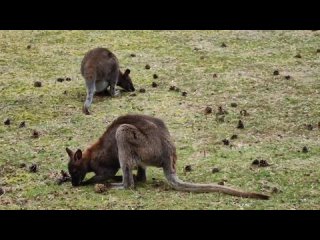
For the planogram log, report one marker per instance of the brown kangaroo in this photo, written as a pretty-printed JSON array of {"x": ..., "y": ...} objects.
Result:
[
  {"x": 100, "y": 69},
  {"x": 136, "y": 141}
]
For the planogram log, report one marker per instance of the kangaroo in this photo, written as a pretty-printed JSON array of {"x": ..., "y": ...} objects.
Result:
[
  {"x": 100, "y": 69},
  {"x": 136, "y": 141}
]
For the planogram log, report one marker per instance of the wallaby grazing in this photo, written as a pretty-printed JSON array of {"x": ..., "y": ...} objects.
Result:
[
  {"x": 100, "y": 69},
  {"x": 136, "y": 141}
]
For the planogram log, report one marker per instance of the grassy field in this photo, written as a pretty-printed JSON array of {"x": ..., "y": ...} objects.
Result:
[{"x": 283, "y": 115}]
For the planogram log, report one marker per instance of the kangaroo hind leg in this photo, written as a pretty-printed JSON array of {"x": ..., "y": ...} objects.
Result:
[{"x": 128, "y": 138}]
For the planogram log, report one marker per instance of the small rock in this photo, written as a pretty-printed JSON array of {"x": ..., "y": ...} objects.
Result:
[
  {"x": 255, "y": 162},
  {"x": 275, "y": 190},
  {"x": 276, "y": 73},
  {"x": 263, "y": 163},
  {"x": 222, "y": 111},
  {"x": 305, "y": 149},
  {"x": 142, "y": 90},
  {"x": 223, "y": 45},
  {"x": 22, "y": 165},
  {"x": 35, "y": 134},
  {"x": 240, "y": 125},
  {"x": 234, "y": 136},
  {"x": 226, "y": 141},
  {"x": 207, "y": 110},
  {"x": 147, "y": 66},
  {"x": 215, "y": 170},
  {"x": 22, "y": 124},
  {"x": 172, "y": 88},
  {"x": 100, "y": 188},
  {"x": 244, "y": 113},
  {"x": 154, "y": 84},
  {"x": 309, "y": 127},
  {"x": 234, "y": 104},
  {"x": 260, "y": 163},
  {"x": 184, "y": 94},
  {"x": 7, "y": 121},
  {"x": 33, "y": 168},
  {"x": 37, "y": 84},
  {"x": 155, "y": 76},
  {"x": 188, "y": 168}
]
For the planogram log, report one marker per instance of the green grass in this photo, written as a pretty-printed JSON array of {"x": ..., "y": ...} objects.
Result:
[{"x": 274, "y": 130}]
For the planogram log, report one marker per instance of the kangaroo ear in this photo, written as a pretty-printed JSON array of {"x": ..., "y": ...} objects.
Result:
[
  {"x": 78, "y": 155},
  {"x": 70, "y": 153},
  {"x": 127, "y": 72}
]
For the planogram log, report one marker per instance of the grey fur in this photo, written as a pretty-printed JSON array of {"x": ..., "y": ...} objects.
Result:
[
  {"x": 100, "y": 69},
  {"x": 140, "y": 141}
]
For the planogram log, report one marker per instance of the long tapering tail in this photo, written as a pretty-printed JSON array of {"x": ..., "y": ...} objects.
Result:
[{"x": 179, "y": 185}]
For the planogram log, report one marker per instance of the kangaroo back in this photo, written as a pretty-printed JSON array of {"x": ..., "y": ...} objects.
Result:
[{"x": 99, "y": 64}]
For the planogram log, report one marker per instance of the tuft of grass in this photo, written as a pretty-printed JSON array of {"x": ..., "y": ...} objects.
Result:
[{"x": 278, "y": 109}]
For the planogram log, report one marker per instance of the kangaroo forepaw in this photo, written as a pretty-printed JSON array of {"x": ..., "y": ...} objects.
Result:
[
  {"x": 85, "y": 111},
  {"x": 117, "y": 93}
]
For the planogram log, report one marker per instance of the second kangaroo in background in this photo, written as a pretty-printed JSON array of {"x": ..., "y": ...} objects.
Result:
[{"x": 100, "y": 69}]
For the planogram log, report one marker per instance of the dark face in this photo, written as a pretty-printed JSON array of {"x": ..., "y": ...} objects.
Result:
[
  {"x": 77, "y": 175},
  {"x": 75, "y": 167},
  {"x": 125, "y": 81}
]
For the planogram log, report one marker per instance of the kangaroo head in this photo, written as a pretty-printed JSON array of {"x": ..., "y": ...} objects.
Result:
[
  {"x": 125, "y": 81},
  {"x": 76, "y": 167}
]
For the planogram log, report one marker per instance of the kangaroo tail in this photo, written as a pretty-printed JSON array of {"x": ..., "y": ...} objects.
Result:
[{"x": 179, "y": 185}]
